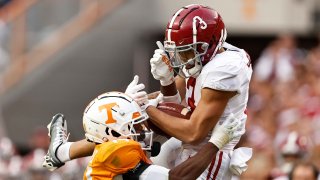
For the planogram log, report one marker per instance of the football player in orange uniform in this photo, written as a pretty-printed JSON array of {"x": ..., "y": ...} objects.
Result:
[{"x": 111, "y": 122}]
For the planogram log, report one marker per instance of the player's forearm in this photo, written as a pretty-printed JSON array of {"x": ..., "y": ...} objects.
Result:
[
  {"x": 81, "y": 149},
  {"x": 193, "y": 167},
  {"x": 179, "y": 128},
  {"x": 169, "y": 90},
  {"x": 179, "y": 85}
]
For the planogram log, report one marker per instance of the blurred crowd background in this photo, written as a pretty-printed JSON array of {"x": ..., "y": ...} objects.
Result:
[{"x": 56, "y": 55}]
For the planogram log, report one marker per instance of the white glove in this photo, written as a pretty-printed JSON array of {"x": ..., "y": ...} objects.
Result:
[
  {"x": 160, "y": 67},
  {"x": 153, "y": 102},
  {"x": 227, "y": 131},
  {"x": 134, "y": 90},
  {"x": 239, "y": 158}
]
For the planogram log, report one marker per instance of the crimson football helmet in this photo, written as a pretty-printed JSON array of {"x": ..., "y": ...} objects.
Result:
[{"x": 197, "y": 30}]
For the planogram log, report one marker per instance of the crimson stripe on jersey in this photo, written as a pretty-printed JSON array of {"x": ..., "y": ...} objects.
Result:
[
  {"x": 218, "y": 166},
  {"x": 211, "y": 167}
]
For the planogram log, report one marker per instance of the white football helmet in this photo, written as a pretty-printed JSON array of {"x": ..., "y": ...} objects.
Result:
[{"x": 113, "y": 115}]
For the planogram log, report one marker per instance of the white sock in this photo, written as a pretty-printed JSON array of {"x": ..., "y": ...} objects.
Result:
[{"x": 63, "y": 152}]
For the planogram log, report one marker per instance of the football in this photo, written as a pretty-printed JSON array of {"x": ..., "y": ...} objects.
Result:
[{"x": 173, "y": 109}]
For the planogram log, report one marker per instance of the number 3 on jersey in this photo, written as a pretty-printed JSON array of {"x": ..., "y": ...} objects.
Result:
[{"x": 191, "y": 83}]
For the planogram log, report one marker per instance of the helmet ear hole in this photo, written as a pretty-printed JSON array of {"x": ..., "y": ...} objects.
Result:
[{"x": 115, "y": 134}]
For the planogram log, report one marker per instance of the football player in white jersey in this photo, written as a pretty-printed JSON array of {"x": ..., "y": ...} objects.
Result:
[{"x": 213, "y": 80}]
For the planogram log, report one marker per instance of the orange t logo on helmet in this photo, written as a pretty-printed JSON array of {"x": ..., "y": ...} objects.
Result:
[{"x": 108, "y": 108}]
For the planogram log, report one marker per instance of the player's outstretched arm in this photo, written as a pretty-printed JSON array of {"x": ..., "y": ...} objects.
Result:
[
  {"x": 193, "y": 167},
  {"x": 82, "y": 148},
  {"x": 60, "y": 150}
]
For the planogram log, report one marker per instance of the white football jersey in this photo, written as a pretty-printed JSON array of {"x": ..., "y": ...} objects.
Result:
[{"x": 228, "y": 71}]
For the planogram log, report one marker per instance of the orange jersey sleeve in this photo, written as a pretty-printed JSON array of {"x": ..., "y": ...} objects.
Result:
[{"x": 113, "y": 158}]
